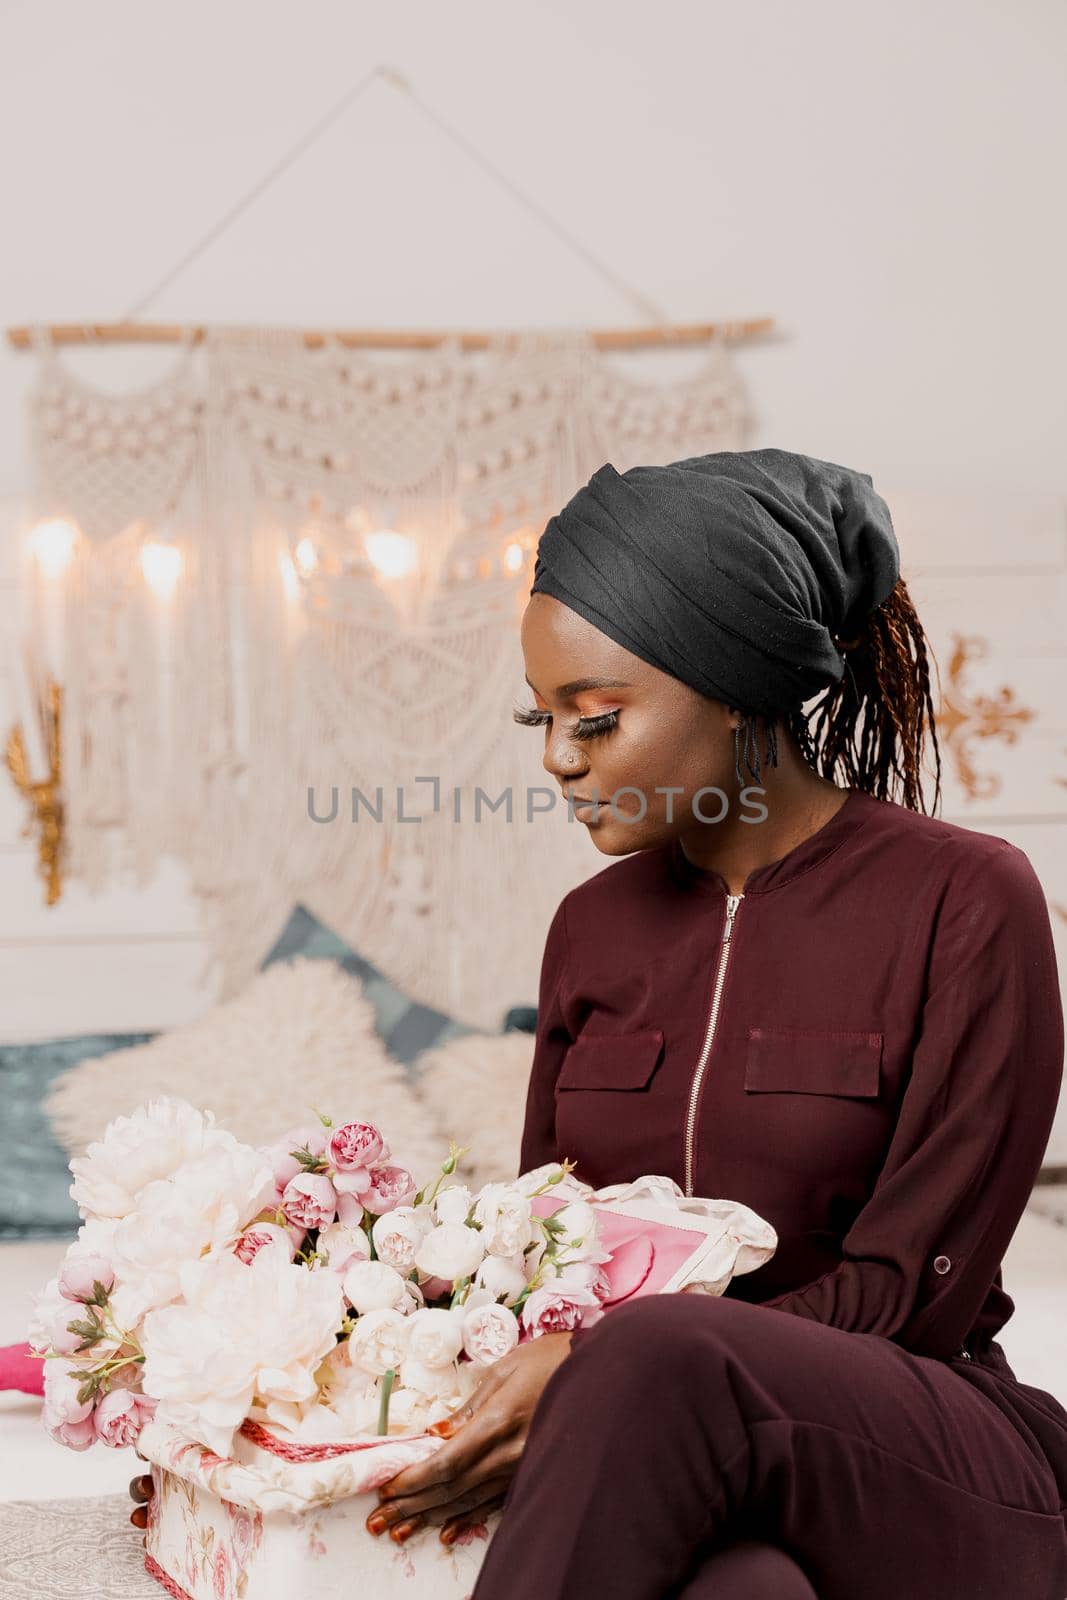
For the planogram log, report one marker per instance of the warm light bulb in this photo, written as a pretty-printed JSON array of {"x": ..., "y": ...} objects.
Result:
[
  {"x": 307, "y": 557},
  {"x": 52, "y": 545},
  {"x": 290, "y": 580},
  {"x": 513, "y": 557},
  {"x": 161, "y": 565},
  {"x": 394, "y": 554}
]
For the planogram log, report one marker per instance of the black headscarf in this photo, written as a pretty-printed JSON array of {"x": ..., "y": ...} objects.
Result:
[{"x": 735, "y": 572}]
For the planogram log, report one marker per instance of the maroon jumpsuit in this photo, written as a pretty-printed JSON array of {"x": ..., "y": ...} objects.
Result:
[{"x": 866, "y": 1047}]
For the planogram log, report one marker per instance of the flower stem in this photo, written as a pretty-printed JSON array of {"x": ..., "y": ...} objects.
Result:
[{"x": 383, "y": 1409}]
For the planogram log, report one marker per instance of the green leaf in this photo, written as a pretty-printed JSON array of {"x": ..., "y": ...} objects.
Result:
[
  {"x": 89, "y": 1388},
  {"x": 86, "y": 1327},
  {"x": 309, "y": 1162}
]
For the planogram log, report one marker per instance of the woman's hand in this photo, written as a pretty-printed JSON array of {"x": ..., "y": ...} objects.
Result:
[{"x": 469, "y": 1476}]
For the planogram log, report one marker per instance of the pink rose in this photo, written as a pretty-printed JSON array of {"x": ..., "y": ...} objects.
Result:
[
  {"x": 559, "y": 1310},
  {"x": 59, "y": 1336},
  {"x": 68, "y": 1419},
  {"x": 353, "y": 1145},
  {"x": 260, "y": 1234},
  {"x": 284, "y": 1165},
  {"x": 121, "y": 1415},
  {"x": 349, "y": 1210},
  {"x": 342, "y": 1245},
  {"x": 78, "y": 1278},
  {"x": 389, "y": 1187},
  {"x": 310, "y": 1201},
  {"x": 75, "y": 1435}
]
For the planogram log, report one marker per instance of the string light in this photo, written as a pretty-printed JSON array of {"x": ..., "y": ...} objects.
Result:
[
  {"x": 51, "y": 543},
  {"x": 394, "y": 555},
  {"x": 290, "y": 579},
  {"x": 514, "y": 556},
  {"x": 307, "y": 557},
  {"x": 161, "y": 565}
]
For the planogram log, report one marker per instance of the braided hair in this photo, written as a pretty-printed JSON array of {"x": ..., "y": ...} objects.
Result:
[{"x": 869, "y": 727}]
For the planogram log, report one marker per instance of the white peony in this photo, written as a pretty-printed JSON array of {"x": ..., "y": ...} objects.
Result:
[
  {"x": 435, "y": 1336},
  {"x": 453, "y": 1204},
  {"x": 379, "y": 1340},
  {"x": 489, "y": 1332},
  {"x": 374, "y": 1286},
  {"x": 244, "y": 1333},
  {"x": 505, "y": 1217},
  {"x": 450, "y": 1251},
  {"x": 204, "y": 1206},
  {"x": 502, "y": 1275},
  {"x": 141, "y": 1149},
  {"x": 398, "y": 1234}
]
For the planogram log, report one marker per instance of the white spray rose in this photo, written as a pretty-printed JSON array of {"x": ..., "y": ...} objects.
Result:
[
  {"x": 502, "y": 1275},
  {"x": 453, "y": 1204},
  {"x": 373, "y": 1286},
  {"x": 450, "y": 1251},
  {"x": 505, "y": 1218},
  {"x": 578, "y": 1222},
  {"x": 379, "y": 1340},
  {"x": 437, "y": 1383},
  {"x": 398, "y": 1234},
  {"x": 435, "y": 1337},
  {"x": 489, "y": 1332},
  {"x": 568, "y": 1188}
]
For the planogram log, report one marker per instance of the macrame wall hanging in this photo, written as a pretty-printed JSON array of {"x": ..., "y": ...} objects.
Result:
[{"x": 295, "y": 568}]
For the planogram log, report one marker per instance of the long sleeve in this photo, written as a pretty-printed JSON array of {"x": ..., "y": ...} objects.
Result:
[
  {"x": 923, "y": 1253},
  {"x": 551, "y": 1042}
]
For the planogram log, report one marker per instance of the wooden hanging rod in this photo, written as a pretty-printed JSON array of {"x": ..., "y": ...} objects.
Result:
[{"x": 393, "y": 339}]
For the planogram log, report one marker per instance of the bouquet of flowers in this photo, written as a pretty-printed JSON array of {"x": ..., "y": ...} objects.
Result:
[
  {"x": 312, "y": 1287},
  {"x": 277, "y": 1329}
]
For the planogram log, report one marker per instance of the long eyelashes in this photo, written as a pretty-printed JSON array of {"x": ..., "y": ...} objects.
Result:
[{"x": 584, "y": 728}]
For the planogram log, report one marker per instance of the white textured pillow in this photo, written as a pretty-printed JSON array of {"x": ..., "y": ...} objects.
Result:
[
  {"x": 299, "y": 1038},
  {"x": 475, "y": 1086}
]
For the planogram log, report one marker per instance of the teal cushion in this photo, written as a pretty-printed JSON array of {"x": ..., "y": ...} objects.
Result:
[
  {"x": 405, "y": 1026},
  {"x": 35, "y": 1180}
]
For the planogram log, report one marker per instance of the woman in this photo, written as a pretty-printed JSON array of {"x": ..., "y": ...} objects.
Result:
[{"x": 799, "y": 994}]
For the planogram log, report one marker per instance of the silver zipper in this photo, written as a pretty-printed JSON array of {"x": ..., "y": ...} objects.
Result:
[{"x": 732, "y": 903}]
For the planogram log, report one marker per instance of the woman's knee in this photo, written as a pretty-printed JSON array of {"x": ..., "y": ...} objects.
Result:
[
  {"x": 748, "y": 1570},
  {"x": 671, "y": 1334}
]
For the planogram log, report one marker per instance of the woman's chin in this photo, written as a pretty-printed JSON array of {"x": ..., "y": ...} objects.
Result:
[{"x": 612, "y": 837}]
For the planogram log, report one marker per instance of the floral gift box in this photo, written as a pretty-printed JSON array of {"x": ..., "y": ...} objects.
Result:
[{"x": 277, "y": 1520}]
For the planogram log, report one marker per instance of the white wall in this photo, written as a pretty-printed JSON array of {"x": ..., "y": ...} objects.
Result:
[{"x": 883, "y": 180}]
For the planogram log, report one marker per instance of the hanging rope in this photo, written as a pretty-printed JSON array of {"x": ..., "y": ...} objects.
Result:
[{"x": 396, "y": 80}]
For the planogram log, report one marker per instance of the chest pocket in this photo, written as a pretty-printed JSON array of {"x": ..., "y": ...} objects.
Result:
[
  {"x": 612, "y": 1060},
  {"x": 813, "y": 1061}
]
